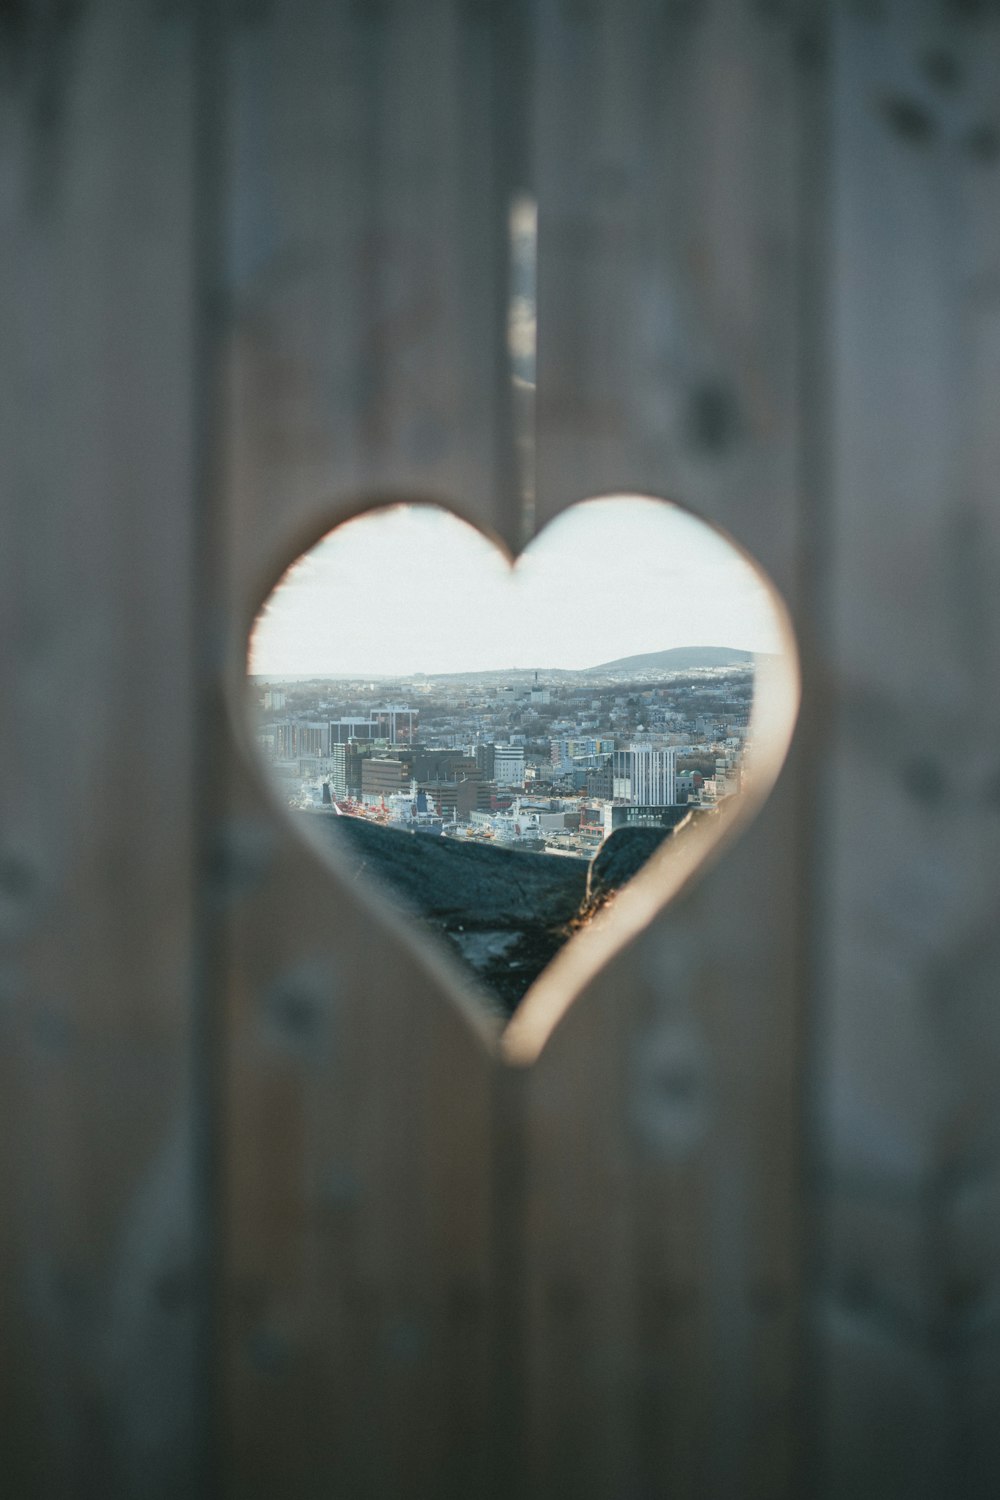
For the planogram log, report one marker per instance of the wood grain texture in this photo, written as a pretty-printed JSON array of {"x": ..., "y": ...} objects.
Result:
[
  {"x": 663, "y": 1257},
  {"x": 903, "y": 1095},
  {"x": 276, "y": 1219},
  {"x": 100, "y": 1285},
  {"x": 368, "y": 276},
  {"x": 366, "y": 359},
  {"x": 359, "y": 1210}
]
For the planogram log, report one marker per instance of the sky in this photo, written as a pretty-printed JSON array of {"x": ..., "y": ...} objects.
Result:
[{"x": 414, "y": 589}]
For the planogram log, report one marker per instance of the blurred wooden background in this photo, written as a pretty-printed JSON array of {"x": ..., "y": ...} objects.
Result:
[{"x": 273, "y": 1219}]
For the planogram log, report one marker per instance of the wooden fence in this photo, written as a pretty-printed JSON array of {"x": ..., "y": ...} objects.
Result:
[{"x": 275, "y": 1218}]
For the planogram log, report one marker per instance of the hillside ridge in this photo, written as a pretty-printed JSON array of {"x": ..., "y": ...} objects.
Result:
[{"x": 677, "y": 659}]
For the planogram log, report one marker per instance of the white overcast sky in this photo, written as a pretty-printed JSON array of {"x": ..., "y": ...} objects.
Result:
[{"x": 413, "y": 589}]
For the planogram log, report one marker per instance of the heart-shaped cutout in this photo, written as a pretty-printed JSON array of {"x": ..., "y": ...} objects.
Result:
[{"x": 526, "y": 757}]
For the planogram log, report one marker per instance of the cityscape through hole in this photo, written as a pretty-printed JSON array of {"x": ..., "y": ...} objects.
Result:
[{"x": 499, "y": 749}]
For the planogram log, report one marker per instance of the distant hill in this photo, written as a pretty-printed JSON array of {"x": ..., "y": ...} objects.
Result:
[{"x": 678, "y": 659}]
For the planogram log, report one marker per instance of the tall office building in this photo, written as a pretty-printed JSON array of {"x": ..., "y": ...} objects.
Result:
[
  {"x": 508, "y": 765},
  {"x": 600, "y": 779},
  {"x": 286, "y": 739},
  {"x": 486, "y": 761},
  {"x": 338, "y": 771},
  {"x": 313, "y": 737},
  {"x": 645, "y": 776},
  {"x": 654, "y": 776}
]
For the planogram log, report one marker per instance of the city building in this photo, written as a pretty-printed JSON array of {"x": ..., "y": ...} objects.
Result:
[
  {"x": 443, "y": 764},
  {"x": 637, "y": 815},
  {"x": 600, "y": 779},
  {"x": 508, "y": 765},
  {"x": 343, "y": 730},
  {"x": 313, "y": 737},
  {"x": 645, "y": 775},
  {"x": 383, "y": 775},
  {"x": 286, "y": 739},
  {"x": 395, "y": 722},
  {"x": 338, "y": 772},
  {"x": 363, "y": 747}
]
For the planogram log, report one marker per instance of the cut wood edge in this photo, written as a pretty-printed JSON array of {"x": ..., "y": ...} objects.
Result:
[{"x": 678, "y": 863}]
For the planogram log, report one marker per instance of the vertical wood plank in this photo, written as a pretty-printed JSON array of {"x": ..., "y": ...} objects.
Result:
[
  {"x": 369, "y": 268},
  {"x": 584, "y": 1279},
  {"x": 663, "y": 1263},
  {"x": 100, "y": 1285},
  {"x": 669, "y": 243},
  {"x": 904, "y": 1093},
  {"x": 366, "y": 360}
]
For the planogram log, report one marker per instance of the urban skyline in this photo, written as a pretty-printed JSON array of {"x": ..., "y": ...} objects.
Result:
[{"x": 550, "y": 763}]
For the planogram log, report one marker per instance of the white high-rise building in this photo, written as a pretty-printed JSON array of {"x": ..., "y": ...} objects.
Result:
[
  {"x": 653, "y": 776},
  {"x": 508, "y": 765}
]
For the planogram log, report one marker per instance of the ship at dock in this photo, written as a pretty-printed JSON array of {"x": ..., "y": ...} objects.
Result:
[{"x": 414, "y": 811}]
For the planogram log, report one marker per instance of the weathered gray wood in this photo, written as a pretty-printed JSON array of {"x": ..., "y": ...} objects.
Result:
[
  {"x": 904, "y": 1092},
  {"x": 254, "y": 278},
  {"x": 359, "y": 1110},
  {"x": 101, "y": 1388},
  {"x": 662, "y": 1259},
  {"x": 368, "y": 272},
  {"x": 366, "y": 359}
]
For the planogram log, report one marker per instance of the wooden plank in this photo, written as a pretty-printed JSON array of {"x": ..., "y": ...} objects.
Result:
[
  {"x": 663, "y": 1255},
  {"x": 666, "y": 170},
  {"x": 970, "y": 969},
  {"x": 100, "y": 1287},
  {"x": 904, "y": 1090},
  {"x": 366, "y": 359},
  {"x": 359, "y": 1206},
  {"x": 369, "y": 269},
  {"x": 585, "y": 1276}
]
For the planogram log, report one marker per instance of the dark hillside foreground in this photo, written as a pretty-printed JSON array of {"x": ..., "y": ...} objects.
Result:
[{"x": 503, "y": 913}]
